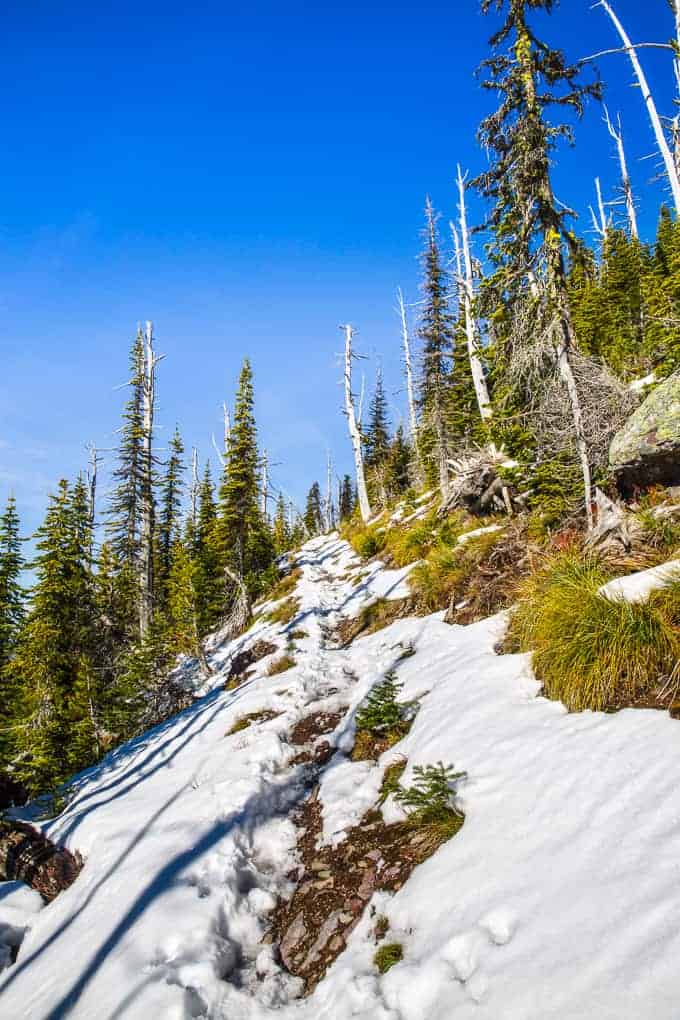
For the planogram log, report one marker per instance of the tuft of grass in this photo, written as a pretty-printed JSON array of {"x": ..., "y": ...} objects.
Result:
[
  {"x": 286, "y": 585},
  {"x": 388, "y": 955},
  {"x": 281, "y": 665},
  {"x": 411, "y": 543},
  {"x": 589, "y": 651},
  {"x": 298, "y": 634},
  {"x": 391, "y": 777},
  {"x": 381, "y": 927},
  {"x": 285, "y": 612},
  {"x": 253, "y": 717},
  {"x": 659, "y": 532}
]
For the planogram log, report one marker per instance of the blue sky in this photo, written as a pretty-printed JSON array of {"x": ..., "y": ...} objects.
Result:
[{"x": 247, "y": 177}]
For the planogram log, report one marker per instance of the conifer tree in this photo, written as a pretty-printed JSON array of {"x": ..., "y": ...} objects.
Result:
[
  {"x": 11, "y": 592},
  {"x": 346, "y": 501},
  {"x": 313, "y": 511},
  {"x": 125, "y": 505},
  {"x": 528, "y": 226},
  {"x": 243, "y": 538},
  {"x": 172, "y": 487},
  {"x": 398, "y": 464},
  {"x": 52, "y": 669},
  {"x": 281, "y": 526},
  {"x": 209, "y": 581},
  {"x": 377, "y": 434},
  {"x": 436, "y": 332}
]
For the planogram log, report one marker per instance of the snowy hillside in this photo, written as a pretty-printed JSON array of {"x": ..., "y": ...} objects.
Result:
[{"x": 558, "y": 898}]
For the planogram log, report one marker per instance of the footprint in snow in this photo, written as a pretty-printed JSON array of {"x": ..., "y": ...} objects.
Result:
[{"x": 500, "y": 925}]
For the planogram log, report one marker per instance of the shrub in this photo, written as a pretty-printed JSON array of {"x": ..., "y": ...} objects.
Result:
[
  {"x": 388, "y": 955},
  {"x": 382, "y": 711},
  {"x": 589, "y": 651},
  {"x": 285, "y": 612},
  {"x": 369, "y": 543},
  {"x": 281, "y": 665},
  {"x": 429, "y": 806},
  {"x": 411, "y": 543}
]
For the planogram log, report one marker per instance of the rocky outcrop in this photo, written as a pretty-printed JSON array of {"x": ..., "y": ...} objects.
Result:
[
  {"x": 27, "y": 855},
  {"x": 646, "y": 451}
]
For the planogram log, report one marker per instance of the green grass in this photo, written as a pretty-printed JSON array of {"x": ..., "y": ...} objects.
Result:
[
  {"x": 285, "y": 612},
  {"x": 448, "y": 570},
  {"x": 591, "y": 652},
  {"x": 281, "y": 665},
  {"x": 388, "y": 955},
  {"x": 286, "y": 585},
  {"x": 253, "y": 717}
]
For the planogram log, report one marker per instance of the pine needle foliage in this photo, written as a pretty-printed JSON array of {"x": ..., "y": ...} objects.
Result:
[
  {"x": 429, "y": 804},
  {"x": 382, "y": 712}
]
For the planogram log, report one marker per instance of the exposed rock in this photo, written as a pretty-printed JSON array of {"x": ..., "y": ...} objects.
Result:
[
  {"x": 242, "y": 662},
  {"x": 646, "y": 451}
]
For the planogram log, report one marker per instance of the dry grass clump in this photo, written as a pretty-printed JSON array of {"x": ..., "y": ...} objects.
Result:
[
  {"x": 589, "y": 651},
  {"x": 286, "y": 585},
  {"x": 285, "y": 612},
  {"x": 391, "y": 778},
  {"x": 281, "y": 665},
  {"x": 448, "y": 570},
  {"x": 253, "y": 717}
]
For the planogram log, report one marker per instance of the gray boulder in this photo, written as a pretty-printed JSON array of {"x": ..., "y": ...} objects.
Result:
[{"x": 646, "y": 451}]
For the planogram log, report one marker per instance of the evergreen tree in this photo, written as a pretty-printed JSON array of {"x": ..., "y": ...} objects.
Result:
[
  {"x": 11, "y": 592},
  {"x": 661, "y": 291},
  {"x": 436, "y": 332},
  {"x": 52, "y": 669},
  {"x": 313, "y": 511},
  {"x": 378, "y": 431},
  {"x": 243, "y": 538},
  {"x": 183, "y": 602},
  {"x": 124, "y": 511},
  {"x": 346, "y": 501},
  {"x": 172, "y": 487},
  {"x": 398, "y": 464},
  {"x": 209, "y": 579},
  {"x": 281, "y": 527}
]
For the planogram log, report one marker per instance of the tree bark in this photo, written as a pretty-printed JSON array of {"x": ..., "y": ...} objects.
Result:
[
  {"x": 146, "y": 528},
  {"x": 410, "y": 394},
  {"x": 355, "y": 435},
  {"x": 28, "y": 856},
  {"x": 471, "y": 332},
  {"x": 625, "y": 178},
  {"x": 664, "y": 149}
]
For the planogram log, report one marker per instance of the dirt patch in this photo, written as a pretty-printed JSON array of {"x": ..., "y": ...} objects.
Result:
[
  {"x": 334, "y": 884},
  {"x": 241, "y": 665},
  {"x": 313, "y": 726},
  {"x": 372, "y": 618},
  {"x": 253, "y": 717}
]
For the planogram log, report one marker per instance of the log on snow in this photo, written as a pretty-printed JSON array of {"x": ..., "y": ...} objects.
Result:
[{"x": 29, "y": 856}]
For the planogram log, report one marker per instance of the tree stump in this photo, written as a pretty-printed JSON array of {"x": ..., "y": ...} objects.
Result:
[{"x": 28, "y": 856}]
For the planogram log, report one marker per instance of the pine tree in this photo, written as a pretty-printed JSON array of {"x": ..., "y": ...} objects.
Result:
[
  {"x": 436, "y": 333},
  {"x": 11, "y": 592},
  {"x": 172, "y": 487},
  {"x": 52, "y": 669},
  {"x": 398, "y": 465},
  {"x": 528, "y": 226},
  {"x": 243, "y": 538},
  {"x": 377, "y": 435},
  {"x": 313, "y": 511},
  {"x": 124, "y": 511},
  {"x": 346, "y": 503},
  {"x": 183, "y": 602},
  {"x": 209, "y": 578},
  {"x": 281, "y": 527}
]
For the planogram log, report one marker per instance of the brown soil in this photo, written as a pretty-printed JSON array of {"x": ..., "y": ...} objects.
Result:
[
  {"x": 313, "y": 726},
  {"x": 334, "y": 884},
  {"x": 240, "y": 667}
]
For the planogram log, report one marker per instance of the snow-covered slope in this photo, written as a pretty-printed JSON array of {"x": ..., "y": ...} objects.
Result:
[{"x": 559, "y": 898}]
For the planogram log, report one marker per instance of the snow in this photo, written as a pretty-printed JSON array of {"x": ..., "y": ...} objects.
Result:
[
  {"x": 638, "y": 587},
  {"x": 559, "y": 898},
  {"x": 639, "y": 384},
  {"x": 489, "y": 530}
]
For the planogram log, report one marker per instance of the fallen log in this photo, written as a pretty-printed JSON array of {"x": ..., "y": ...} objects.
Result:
[{"x": 29, "y": 856}]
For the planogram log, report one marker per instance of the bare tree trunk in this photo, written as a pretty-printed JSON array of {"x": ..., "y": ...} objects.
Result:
[
  {"x": 28, "y": 856},
  {"x": 625, "y": 178},
  {"x": 564, "y": 368},
  {"x": 329, "y": 492},
  {"x": 599, "y": 221},
  {"x": 354, "y": 433},
  {"x": 239, "y": 614},
  {"x": 147, "y": 509},
  {"x": 227, "y": 428},
  {"x": 471, "y": 330},
  {"x": 410, "y": 392},
  {"x": 92, "y": 490},
  {"x": 664, "y": 149}
]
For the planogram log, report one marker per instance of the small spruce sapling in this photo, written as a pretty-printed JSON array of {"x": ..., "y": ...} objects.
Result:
[
  {"x": 382, "y": 713},
  {"x": 430, "y": 799}
]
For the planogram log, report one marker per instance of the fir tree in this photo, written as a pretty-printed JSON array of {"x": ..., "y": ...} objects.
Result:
[
  {"x": 377, "y": 434},
  {"x": 172, "y": 487},
  {"x": 11, "y": 592},
  {"x": 346, "y": 501},
  {"x": 281, "y": 527},
  {"x": 313, "y": 511},
  {"x": 436, "y": 332},
  {"x": 243, "y": 538},
  {"x": 124, "y": 511},
  {"x": 398, "y": 465}
]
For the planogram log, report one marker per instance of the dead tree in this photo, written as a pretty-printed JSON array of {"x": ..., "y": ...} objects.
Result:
[
  {"x": 600, "y": 223},
  {"x": 95, "y": 460},
  {"x": 354, "y": 433},
  {"x": 329, "y": 492},
  {"x": 410, "y": 393},
  {"x": 657, "y": 127},
  {"x": 626, "y": 185},
  {"x": 471, "y": 330},
  {"x": 151, "y": 359},
  {"x": 28, "y": 856}
]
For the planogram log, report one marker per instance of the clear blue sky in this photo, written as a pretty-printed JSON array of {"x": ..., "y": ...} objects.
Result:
[{"x": 247, "y": 177}]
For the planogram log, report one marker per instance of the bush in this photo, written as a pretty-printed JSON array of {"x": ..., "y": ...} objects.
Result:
[
  {"x": 589, "y": 651},
  {"x": 388, "y": 955},
  {"x": 429, "y": 805},
  {"x": 281, "y": 665},
  {"x": 382, "y": 711},
  {"x": 369, "y": 543},
  {"x": 285, "y": 612}
]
